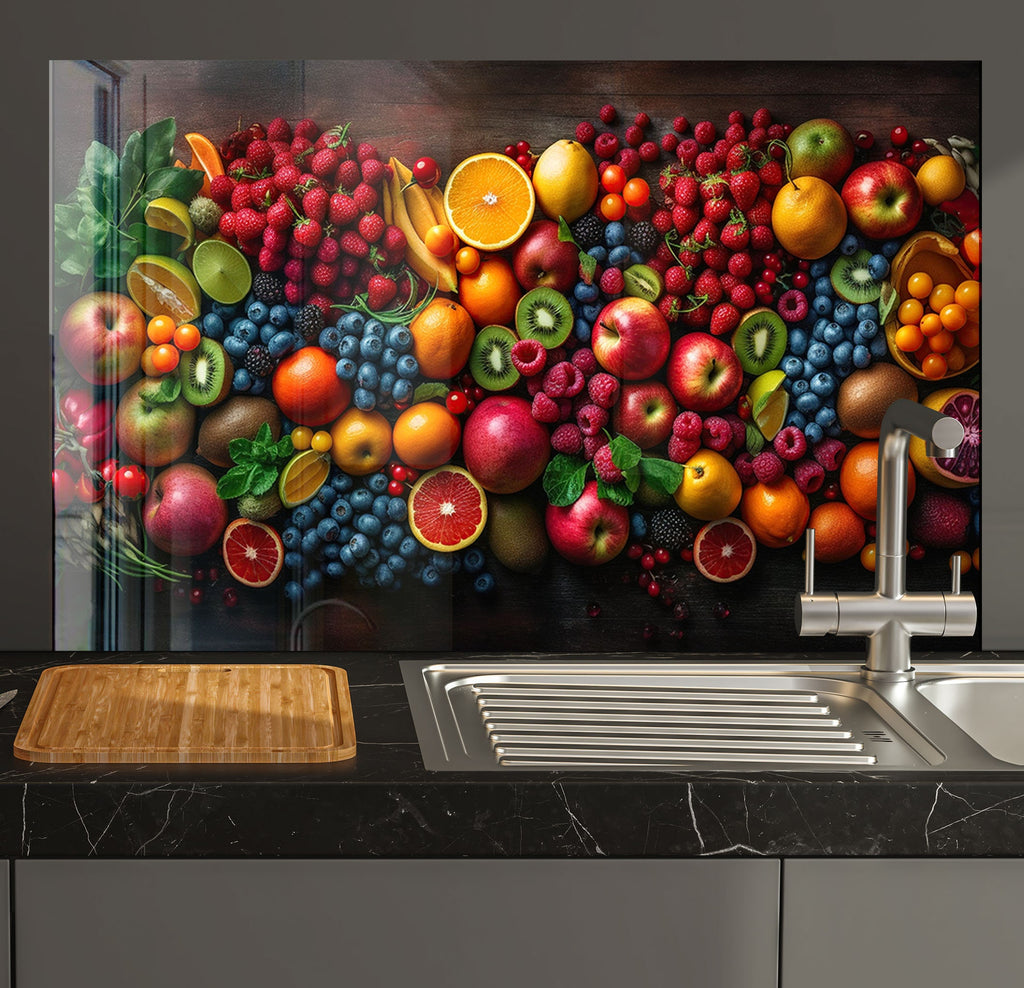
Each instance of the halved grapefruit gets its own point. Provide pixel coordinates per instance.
(724, 550)
(963, 468)
(253, 552)
(447, 509)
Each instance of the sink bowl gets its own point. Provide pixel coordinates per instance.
(990, 710)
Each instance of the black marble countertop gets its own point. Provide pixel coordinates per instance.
(383, 803)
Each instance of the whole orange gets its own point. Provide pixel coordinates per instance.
(361, 441)
(858, 479)
(711, 487)
(442, 337)
(838, 532)
(491, 292)
(426, 435)
(808, 217)
(307, 388)
(776, 513)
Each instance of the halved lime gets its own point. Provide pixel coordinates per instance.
(171, 215)
(162, 286)
(303, 475)
(769, 402)
(222, 271)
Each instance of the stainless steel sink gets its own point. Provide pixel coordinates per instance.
(617, 713)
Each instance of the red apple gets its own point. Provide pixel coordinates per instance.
(103, 335)
(183, 514)
(645, 412)
(542, 259)
(590, 531)
(704, 372)
(152, 432)
(631, 338)
(503, 445)
(822, 148)
(883, 199)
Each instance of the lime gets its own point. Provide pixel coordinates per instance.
(171, 216)
(303, 475)
(162, 286)
(769, 402)
(222, 271)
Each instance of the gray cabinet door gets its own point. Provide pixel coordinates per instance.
(884, 921)
(397, 923)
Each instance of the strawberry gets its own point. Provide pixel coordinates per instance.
(306, 129)
(270, 260)
(677, 280)
(762, 238)
(349, 266)
(308, 232)
(279, 130)
(249, 223)
(706, 233)
(365, 152)
(276, 240)
(713, 187)
(707, 287)
(287, 177)
(689, 255)
(241, 196)
(725, 317)
(372, 171)
(697, 315)
(279, 214)
(221, 187)
(365, 197)
(716, 257)
(771, 173)
(328, 250)
(324, 163)
(705, 163)
(380, 290)
(348, 175)
(341, 209)
(371, 227)
(718, 210)
(738, 158)
(760, 213)
(744, 187)
(742, 296)
(734, 133)
(735, 233)
(684, 218)
(671, 307)
(353, 244)
(260, 154)
(263, 192)
(301, 147)
(740, 264)
(315, 202)
(393, 241)
(226, 224)
(661, 220)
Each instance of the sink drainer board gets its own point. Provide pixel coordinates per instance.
(594, 716)
(216, 712)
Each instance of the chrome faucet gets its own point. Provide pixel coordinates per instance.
(890, 615)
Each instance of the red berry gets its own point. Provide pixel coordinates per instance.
(456, 402)
(585, 132)
(653, 588)
(396, 488)
(662, 555)
(607, 113)
(899, 136)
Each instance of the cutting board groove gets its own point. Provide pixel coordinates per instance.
(215, 712)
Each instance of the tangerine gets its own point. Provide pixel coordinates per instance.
(426, 435)
(838, 532)
(808, 217)
(776, 513)
(307, 388)
(442, 337)
(491, 292)
(711, 487)
(858, 478)
(971, 247)
(941, 178)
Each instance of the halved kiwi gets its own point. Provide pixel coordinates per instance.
(852, 280)
(760, 340)
(205, 373)
(490, 359)
(642, 281)
(544, 314)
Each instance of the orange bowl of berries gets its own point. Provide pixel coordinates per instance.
(933, 330)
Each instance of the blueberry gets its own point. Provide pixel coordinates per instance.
(387, 382)
(585, 292)
(430, 576)
(222, 310)
(808, 403)
(279, 316)
(391, 536)
(331, 550)
(348, 345)
(821, 305)
(814, 433)
(818, 329)
(974, 497)
(819, 355)
(409, 547)
(800, 387)
(330, 339)
(360, 545)
(380, 505)
(242, 380)
(364, 400)
(346, 369)
(291, 537)
(267, 332)
(398, 509)
(213, 326)
(833, 333)
(474, 560)
(823, 286)
(443, 561)
(823, 384)
(361, 499)
(303, 517)
(890, 249)
(377, 483)
(581, 330)
(399, 338)
(312, 580)
(341, 511)
(818, 268)
(371, 347)
(334, 570)
(293, 559)
(843, 372)
(825, 416)
(793, 367)
(281, 343)
(397, 563)
(259, 385)
(878, 347)
(352, 322)
(293, 590)
(861, 357)
(618, 257)
(867, 330)
(367, 376)
(843, 354)
(845, 313)
(599, 253)
(591, 310)
(637, 525)
(310, 540)
(614, 234)
(834, 431)
(369, 525)
(809, 370)
(235, 347)
(245, 329)
(346, 556)
(849, 245)
(798, 341)
(342, 482)
(389, 358)
(258, 312)
(796, 418)
(328, 529)
(867, 310)
(383, 575)
(374, 327)
(407, 366)
(484, 583)
(402, 391)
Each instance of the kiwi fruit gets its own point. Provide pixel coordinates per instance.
(865, 396)
(642, 281)
(490, 359)
(544, 314)
(205, 373)
(240, 417)
(852, 280)
(516, 533)
(760, 340)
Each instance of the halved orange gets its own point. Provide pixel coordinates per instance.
(489, 200)
(447, 509)
(162, 286)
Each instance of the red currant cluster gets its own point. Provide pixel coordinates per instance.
(466, 397)
(907, 151)
(523, 155)
(400, 476)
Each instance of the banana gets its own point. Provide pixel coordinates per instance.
(436, 196)
(417, 204)
(434, 270)
(387, 209)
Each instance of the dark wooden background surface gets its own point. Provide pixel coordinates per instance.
(450, 110)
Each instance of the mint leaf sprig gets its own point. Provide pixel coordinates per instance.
(258, 463)
(565, 476)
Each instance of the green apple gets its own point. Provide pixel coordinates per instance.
(821, 147)
(151, 430)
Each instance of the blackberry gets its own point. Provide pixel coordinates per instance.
(258, 361)
(268, 288)
(308, 322)
(588, 231)
(670, 529)
(643, 238)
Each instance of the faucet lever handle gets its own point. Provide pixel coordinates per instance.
(955, 562)
(809, 563)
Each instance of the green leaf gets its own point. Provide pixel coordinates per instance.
(430, 389)
(588, 266)
(158, 144)
(564, 479)
(99, 169)
(564, 232)
(65, 218)
(616, 493)
(92, 230)
(236, 481)
(178, 183)
(150, 241)
(166, 393)
(116, 257)
(755, 440)
(663, 475)
(263, 478)
(625, 453)
(887, 301)
(284, 447)
(240, 450)
(75, 265)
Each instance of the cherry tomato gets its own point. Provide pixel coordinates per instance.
(131, 482)
(165, 358)
(187, 336)
(63, 490)
(107, 470)
(613, 206)
(613, 178)
(88, 488)
(971, 247)
(456, 402)
(636, 192)
(426, 173)
(899, 136)
(160, 329)
(467, 260)
(440, 240)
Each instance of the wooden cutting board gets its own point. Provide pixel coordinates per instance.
(188, 713)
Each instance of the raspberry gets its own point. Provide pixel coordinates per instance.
(353, 244)
(241, 196)
(744, 466)
(761, 118)
(306, 129)
(605, 467)
(585, 132)
(603, 390)
(650, 152)
(687, 151)
(612, 281)
(634, 136)
(563, 380)
(680, 450)
(591, 444)
(270, 260)
(791, 444)
(528, 357)
(809, 475)
(585, 360)
(628, 159)
(279, 130)
(734, 133)
(680, 125)
(591, 419)
(221, 187)
(716, 434)
(545, 408)
(606, 144)
(739, 429)
(688, 425)
(669, 143)
(829, 453)
(768, 468)
(567, 439)
(607, 113)
(704, 132)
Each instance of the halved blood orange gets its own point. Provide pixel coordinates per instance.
(724, 550)
(253, 552)
(447, 509)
